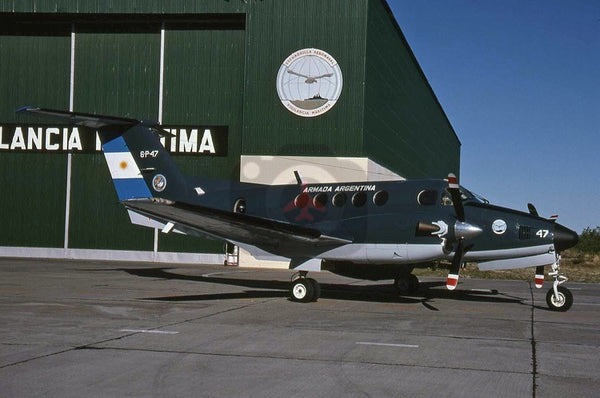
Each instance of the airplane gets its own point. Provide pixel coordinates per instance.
(365, 229)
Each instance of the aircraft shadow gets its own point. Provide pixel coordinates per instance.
(275, 288)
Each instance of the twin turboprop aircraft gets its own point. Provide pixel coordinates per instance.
(368, 230)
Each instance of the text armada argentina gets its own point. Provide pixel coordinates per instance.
(340, 188)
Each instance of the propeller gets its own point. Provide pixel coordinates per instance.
(452, 234)
(462, 230)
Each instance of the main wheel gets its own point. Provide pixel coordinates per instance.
(563, 302)
(413, 284)
(302, 290)
(406, 284)
(316, 289)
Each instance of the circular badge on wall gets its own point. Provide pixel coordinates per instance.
(309, 82)
(159, 183)
(499, 227)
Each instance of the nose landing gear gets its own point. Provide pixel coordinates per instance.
(559, 298)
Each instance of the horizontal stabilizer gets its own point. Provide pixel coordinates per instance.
(521, 262)
(81, 119)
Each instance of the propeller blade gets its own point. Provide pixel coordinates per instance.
(539, 276)
(454, 190)
(452, 279)
(532, 210)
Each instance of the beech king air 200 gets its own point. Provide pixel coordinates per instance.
(367, 230)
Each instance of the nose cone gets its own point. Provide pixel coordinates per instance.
(564, 238)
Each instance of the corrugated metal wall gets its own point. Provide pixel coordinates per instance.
(405, 127)
(276, 30)
(221, 60)
(204, 73)
(116, 72)
(124, 6)
(34, 67)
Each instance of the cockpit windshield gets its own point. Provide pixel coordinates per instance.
(466, 196)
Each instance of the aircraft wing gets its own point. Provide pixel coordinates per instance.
(272, 236)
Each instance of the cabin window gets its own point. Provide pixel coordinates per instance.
(339, 199)
(301, 200)
(240, 206)
(359, 199)
(427, 197)
(380, 198)
(447, 198)
(320, 200)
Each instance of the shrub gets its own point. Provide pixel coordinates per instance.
(589, 240)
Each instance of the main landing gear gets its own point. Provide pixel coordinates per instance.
(406, 284)
(304, 289)
(559, 298)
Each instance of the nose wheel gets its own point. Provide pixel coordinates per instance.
(559, 298)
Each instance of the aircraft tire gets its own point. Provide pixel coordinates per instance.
(316, 289)
(302, 290)
(406, 284)
(565, 299)
(413, 283)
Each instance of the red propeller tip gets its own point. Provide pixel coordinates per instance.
(451, 281)
(539, 281)
(452, 181)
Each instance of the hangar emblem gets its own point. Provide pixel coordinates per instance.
(309, 82)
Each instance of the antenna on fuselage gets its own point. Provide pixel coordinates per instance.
(298, 177)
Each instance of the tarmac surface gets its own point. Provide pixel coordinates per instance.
(102, 329)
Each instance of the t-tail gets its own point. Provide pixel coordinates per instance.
(139, 164)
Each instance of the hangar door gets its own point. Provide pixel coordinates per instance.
(34, 69)
(180, 72)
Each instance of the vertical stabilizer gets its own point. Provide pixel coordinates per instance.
(139, 165)
(126, 175)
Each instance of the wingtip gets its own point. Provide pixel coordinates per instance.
(27, 108)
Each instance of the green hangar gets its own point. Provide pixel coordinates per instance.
(251, 90)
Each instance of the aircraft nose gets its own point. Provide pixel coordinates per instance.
(564, 238)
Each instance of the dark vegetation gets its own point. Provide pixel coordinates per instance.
(589, 241)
